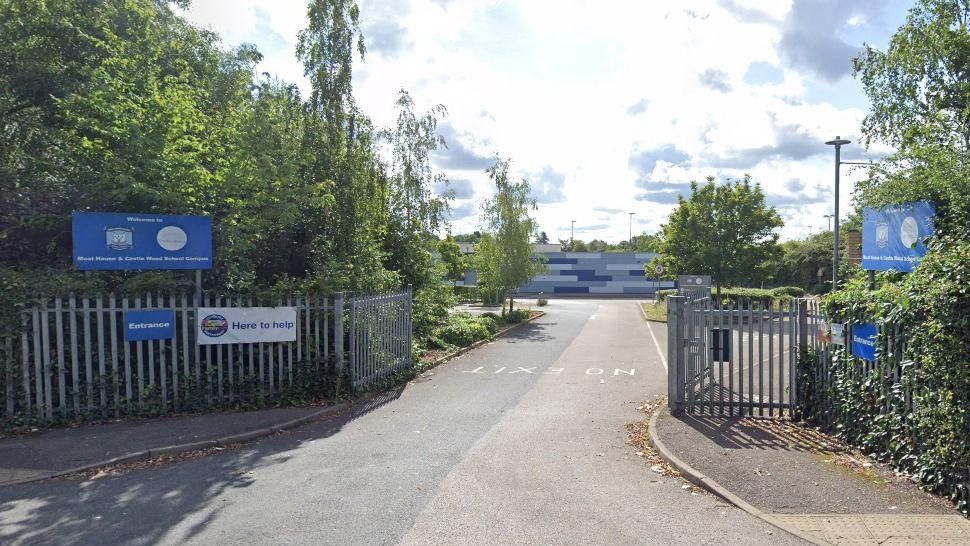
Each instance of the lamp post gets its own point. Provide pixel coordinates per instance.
(829, 218)
(631, 231)
(838, 143)
(572, 232)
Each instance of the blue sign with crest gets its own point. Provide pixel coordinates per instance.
(148, 325)
(894, 237)
(116, 241)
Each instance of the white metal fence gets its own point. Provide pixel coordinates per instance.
(71, 361)
(380, 337)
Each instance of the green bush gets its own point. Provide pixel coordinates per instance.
(793, 291)
(467, 293)
(516, 316)
(462, 329)
(662, 294)
(542, 302)
(929, 437)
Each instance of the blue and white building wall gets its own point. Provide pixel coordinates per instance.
(595, 273)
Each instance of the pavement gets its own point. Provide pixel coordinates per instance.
(806, 482)
(52, 453)
(520, 441)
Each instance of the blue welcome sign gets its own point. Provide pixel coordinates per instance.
(864, 341)
(115, 241)
(148, 325)
(894, 237)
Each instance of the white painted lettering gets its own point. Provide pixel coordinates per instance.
(594, 371)
(617, 371)
(526, 370)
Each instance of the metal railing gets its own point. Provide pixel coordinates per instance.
(70, 359)
(735, 359)
(380, 337)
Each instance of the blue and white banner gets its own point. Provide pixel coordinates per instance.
(894, 237)
(223, 325)
(116, 241)
(864, 341)
(149, 325)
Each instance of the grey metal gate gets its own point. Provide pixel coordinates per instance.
(734, 359)
(380, 337)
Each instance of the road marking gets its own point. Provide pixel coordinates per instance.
(663, 359)
(617, 371)
(500, 369)
(554, 371)
(598, 371)
(476, 370)
(526, 370)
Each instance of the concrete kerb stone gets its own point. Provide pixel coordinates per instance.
(148, 454)
(701, 480)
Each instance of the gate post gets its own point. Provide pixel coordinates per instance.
(675, 354)
(802, 322)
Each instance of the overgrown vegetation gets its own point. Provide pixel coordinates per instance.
(916, 416)
(125, 106)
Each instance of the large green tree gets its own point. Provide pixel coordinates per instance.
(504, 258)
(723, 230)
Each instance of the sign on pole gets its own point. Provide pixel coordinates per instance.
(894, 237)
(222, 325)
(117, 241)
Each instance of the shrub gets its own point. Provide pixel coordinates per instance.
(793, 291)
(542, 302)
(662, 294)
(516, 316)
(461, 329)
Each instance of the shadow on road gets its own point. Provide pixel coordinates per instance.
(530, 332)
(143, 507)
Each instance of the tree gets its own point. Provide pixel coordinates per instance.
(646, 243)
(722, 230)
(798, 262)
(543, 238)
(455, 262)
(415, 212)
(504, 258)
(920, 99)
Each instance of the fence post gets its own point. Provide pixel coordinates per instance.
(675, 354)
(802, 322)
(352, 340)
(338, 330)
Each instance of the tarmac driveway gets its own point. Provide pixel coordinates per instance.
(522, 441)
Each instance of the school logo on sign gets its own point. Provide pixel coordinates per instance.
(215, 325)
(119, 238)
(882, 234)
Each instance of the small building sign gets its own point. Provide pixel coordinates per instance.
(838, 334)
(864, 341)
(149, 325)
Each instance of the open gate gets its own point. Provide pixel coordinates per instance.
(734, 359)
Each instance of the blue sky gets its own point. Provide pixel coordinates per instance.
(609, 107)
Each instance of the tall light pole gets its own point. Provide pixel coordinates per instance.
(838, 143)
(829, 218)
(572, 232)
(631, 230)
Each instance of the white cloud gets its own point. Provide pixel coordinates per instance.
(577, 89)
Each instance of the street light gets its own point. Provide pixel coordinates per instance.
(838, 143)
(572, 232)
(829, 218)
(631, 230)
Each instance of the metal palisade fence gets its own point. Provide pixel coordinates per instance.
(738, 358)
(71, 360)
(380, 337)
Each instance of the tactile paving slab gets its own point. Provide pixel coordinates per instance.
(882, 529)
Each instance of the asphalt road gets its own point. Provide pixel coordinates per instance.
(522, 441)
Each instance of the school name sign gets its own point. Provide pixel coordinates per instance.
(894, 237)
(226, 325)
(121, 241)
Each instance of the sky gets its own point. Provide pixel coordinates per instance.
(612, 107)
